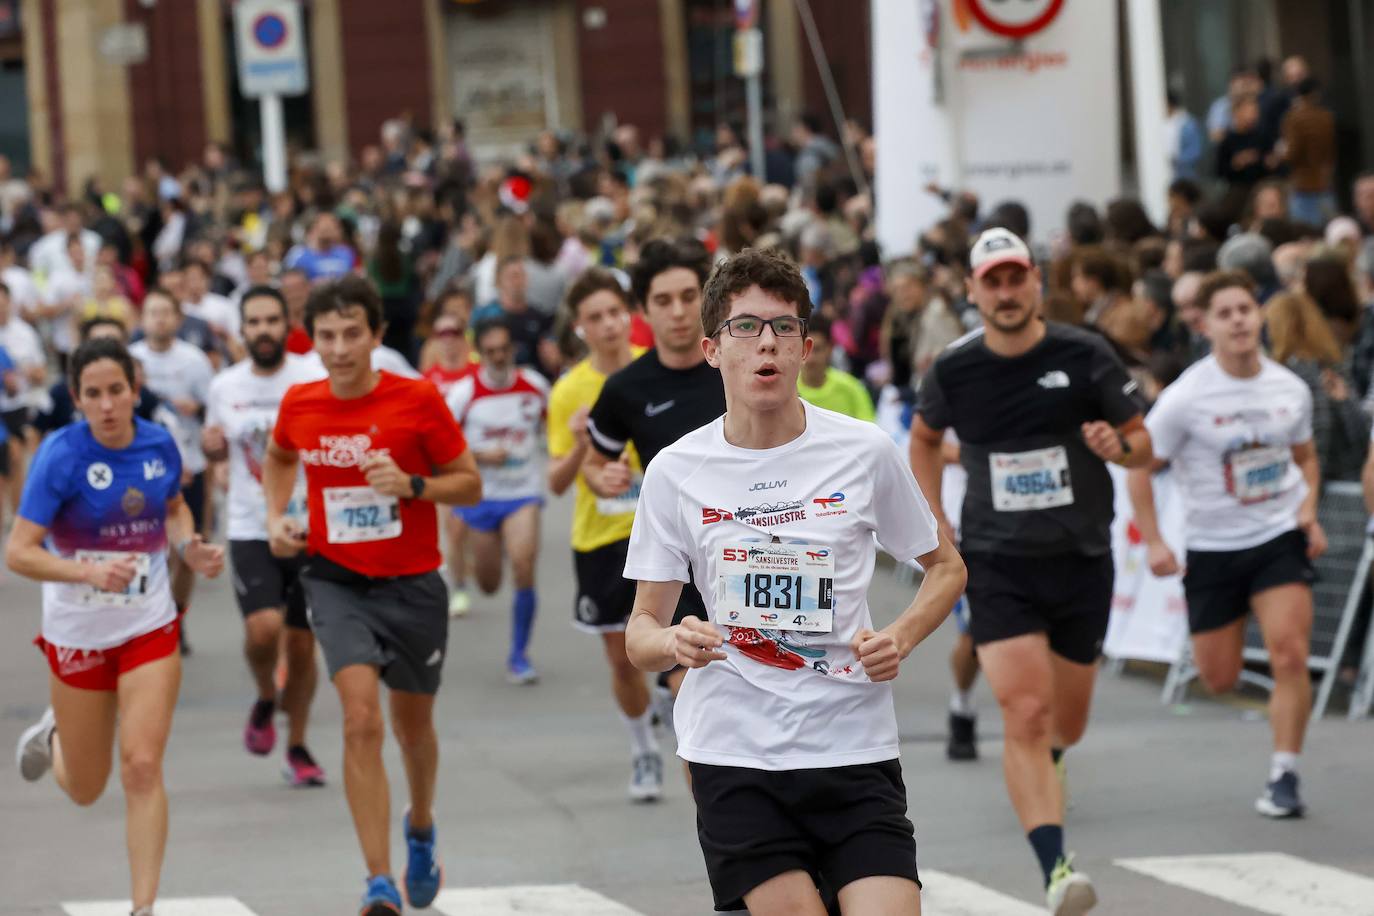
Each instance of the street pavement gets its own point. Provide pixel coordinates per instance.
(532, 793)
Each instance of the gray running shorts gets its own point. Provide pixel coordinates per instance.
(399, 626)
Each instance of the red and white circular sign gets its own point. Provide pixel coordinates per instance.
(1015, 18)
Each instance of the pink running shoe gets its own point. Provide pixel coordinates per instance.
(260, 735)
(301, 769)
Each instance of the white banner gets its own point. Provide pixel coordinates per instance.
(1034, 118)
(1149, 616)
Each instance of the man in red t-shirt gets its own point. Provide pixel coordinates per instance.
(378, 450)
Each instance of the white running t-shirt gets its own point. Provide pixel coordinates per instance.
(1231, 441)
(782, 699)
(181, 371)
(509, 418)
(244, 404)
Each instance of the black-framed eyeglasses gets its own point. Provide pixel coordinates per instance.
(752, 326)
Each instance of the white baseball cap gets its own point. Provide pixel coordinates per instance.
(998, 246)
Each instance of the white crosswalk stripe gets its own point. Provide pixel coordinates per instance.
(944, 894)
(174, 906)
(1268, 882)
(528, 900)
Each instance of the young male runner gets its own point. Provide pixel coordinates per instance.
(1038, 408)
(1238, 428)
(788, 728)
(664, 394)
(378, 451)
(501, 408)
(600, 311)
(240, 413)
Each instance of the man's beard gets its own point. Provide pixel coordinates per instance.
(270, 359)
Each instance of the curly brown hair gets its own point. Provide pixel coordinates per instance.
(768, 269)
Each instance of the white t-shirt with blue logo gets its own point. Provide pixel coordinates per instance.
(98, 504)
(804, 516)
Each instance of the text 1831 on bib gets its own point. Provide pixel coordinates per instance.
(776, 587)
(357, 514)
(1038, 479)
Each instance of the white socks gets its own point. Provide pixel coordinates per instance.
(642, 740)
(961, 703)
(1282, 762)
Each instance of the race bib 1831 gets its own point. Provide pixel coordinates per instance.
(356, 514)
(776, 587)
(1022, 481)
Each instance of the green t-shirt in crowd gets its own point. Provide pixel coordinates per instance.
(840, 392)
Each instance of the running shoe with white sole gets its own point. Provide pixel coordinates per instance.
(646, 778)
(459, 603)
(1280, 798)
(381, 897)
(301, 770)
(259, 734)
(34, 751)
(1070, 893)
(424, 876)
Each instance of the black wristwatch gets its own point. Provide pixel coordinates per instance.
(1125, 446)
(417, 486)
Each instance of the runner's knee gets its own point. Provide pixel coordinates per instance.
(362, 724)
(1027, 717)
(140, 771)
(1288, 657)
(1219, 677)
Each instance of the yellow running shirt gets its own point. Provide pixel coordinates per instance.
(596, 522)
(840, 392)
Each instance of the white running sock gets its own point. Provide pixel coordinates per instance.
(642, 740)
(1282, 762)
(961, 703)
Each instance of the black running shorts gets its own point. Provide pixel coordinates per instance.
(263, 582)
(839, 824)
(604, 596)
(398, 625)
(1218, 584)
(1068, 597)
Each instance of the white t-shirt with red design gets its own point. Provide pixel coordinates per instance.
(1231, 440)
(244, 404)
(783, 698)
(509, 419)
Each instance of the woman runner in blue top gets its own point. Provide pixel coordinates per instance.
(101, 508)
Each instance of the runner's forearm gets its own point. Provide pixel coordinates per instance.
(27, 556)
(278, 480)
(945, 578)
(648, 642)
(1141, 454)
(457, 483)
(563, 471)
(1142, 493)
(928, 466)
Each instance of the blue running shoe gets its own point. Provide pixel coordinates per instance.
(381, 897)
(519, 671)
(1280, 798)
(424, 876)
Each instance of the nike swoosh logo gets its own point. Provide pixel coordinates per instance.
(653, 410)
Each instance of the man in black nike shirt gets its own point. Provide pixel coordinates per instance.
(664, 394)
(1039, 408)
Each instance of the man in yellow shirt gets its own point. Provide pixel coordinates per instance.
(599, 309)
(824, 385)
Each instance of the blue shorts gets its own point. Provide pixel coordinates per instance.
(490, 513)
(960, 615)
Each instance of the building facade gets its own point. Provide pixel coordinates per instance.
(96, 87)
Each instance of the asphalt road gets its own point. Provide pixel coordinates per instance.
(532, 793)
